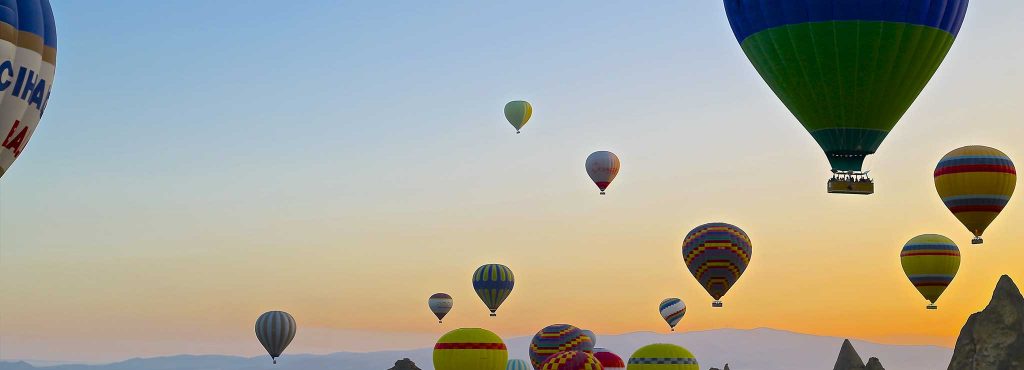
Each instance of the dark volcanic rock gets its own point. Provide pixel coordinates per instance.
(993, 339)
(404, 364)
(850, 360)
(874, 364)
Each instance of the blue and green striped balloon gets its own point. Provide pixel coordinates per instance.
(493, 283)
(847, 69)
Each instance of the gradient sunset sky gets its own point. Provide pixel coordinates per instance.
(201, 162)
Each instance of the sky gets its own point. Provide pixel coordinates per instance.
(201, 162)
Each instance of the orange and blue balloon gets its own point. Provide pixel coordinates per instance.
(975, 182)
(717, 254)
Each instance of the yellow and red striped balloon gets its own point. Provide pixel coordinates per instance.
(470, 349)
(975, 182)
(930, 262)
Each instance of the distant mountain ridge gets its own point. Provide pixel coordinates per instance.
(760, 349)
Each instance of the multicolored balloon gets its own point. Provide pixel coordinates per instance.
(672, 310)
(848, 70)
(493, 283)
(609, 360)
(602, 166)
(975, 182)
(557, 338)
(470, 348)
(517, 113)
(591, 335)
(572, 360)
(662, 357)
(717, 254)
(275, 330)
(440, 304)
(28, 60)
(518, 365)
(931, 262)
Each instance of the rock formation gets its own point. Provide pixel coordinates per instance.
(993, 339)
(404, 364)
(850, 360)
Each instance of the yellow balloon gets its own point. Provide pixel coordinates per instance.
(517, 113)
(930, 262)
(662, 357)
(470, 349)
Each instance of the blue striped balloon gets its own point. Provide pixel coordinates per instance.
(518, 365)
(493, 283)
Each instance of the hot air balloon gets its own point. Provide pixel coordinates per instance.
(672, 310)
(572, 360)
(975, 182)
(518, 365)
(557, 338)
(518, 112)
(602, 167)
(848, 70)
(493, 283)
(275, 330)
(717, 254)
(440, 304)
(662, 357)
(931, 262)
(609, 360)
(28, 58)
(470, 349)
(591, 335)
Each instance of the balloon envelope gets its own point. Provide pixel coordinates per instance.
(572, 360)
(557, 338)
(591, 335)
(662, 357)
(518, 365)
(672, 310)
(975, 183)
(493, 284)
(470, 349)
(848, 70)
(517, 113)
(609, 360)
(930, 262)
(275, 330)
(717, 254)
(440, 304)
(602, 166)
(28, 59)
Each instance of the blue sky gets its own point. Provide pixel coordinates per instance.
(203, 161)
